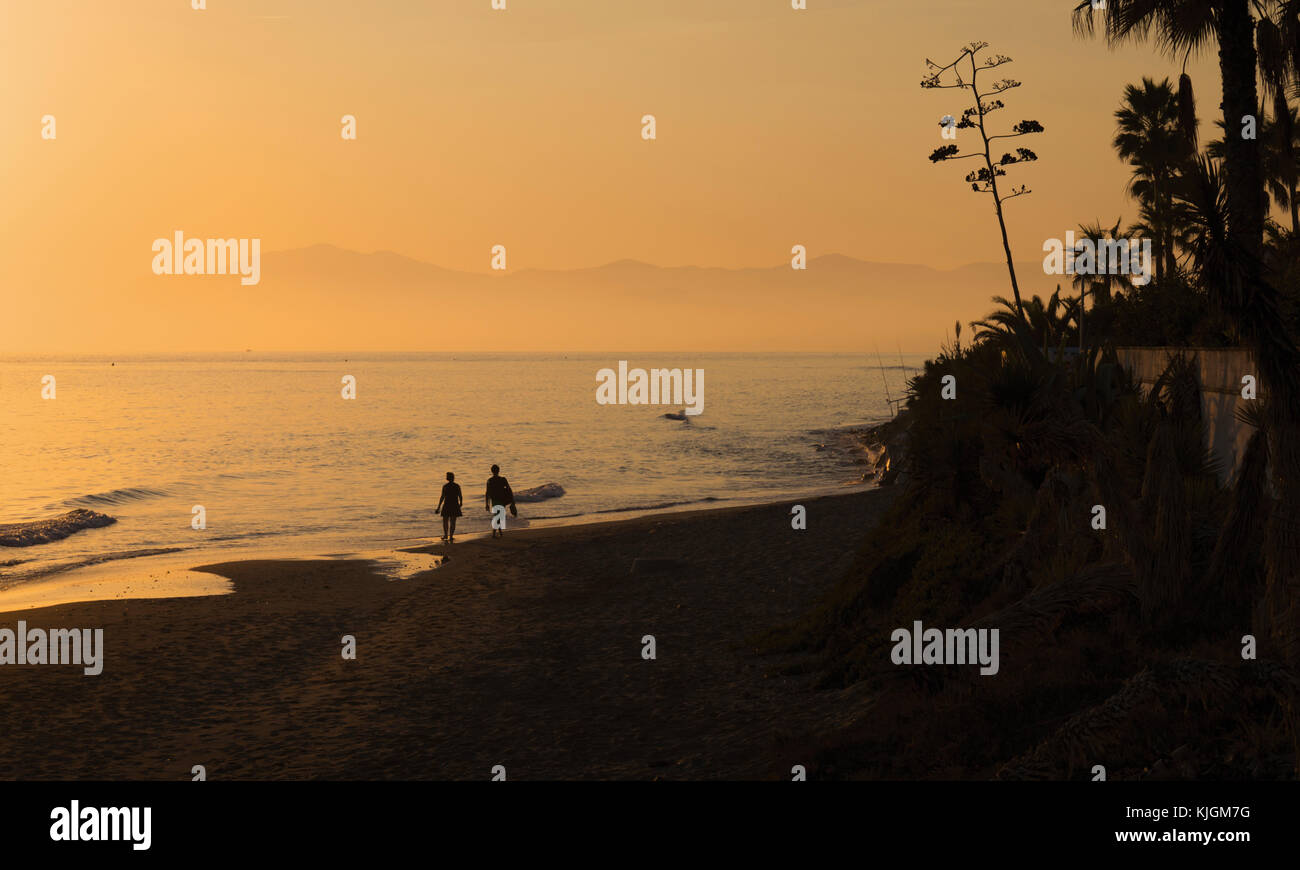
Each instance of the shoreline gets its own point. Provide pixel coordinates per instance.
(525, 651)
(173, 572)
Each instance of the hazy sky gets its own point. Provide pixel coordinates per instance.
(479, 127)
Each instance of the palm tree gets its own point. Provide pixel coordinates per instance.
(1239, 283)
(1103, 283)
(1277, 40)
(1173, 221)
(1280, 161)
(1179, 27)
(1043, 323)
(1231, 267)
(1203, 197)
(1150, 139)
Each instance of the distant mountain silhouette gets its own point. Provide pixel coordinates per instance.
(334, 297)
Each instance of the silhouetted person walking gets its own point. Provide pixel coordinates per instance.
(498, 493)
(449, 506)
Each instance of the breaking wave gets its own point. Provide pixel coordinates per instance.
(53, 529)
(540, 493)
(112, 497)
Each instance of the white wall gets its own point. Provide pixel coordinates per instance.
(1221, 371)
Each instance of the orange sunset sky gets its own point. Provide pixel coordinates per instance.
(479, 127)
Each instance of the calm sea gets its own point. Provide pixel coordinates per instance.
(270, 449)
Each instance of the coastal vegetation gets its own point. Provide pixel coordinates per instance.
(1164, 641)
(963, 74)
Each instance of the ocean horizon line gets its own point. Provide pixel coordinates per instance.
(199, 355)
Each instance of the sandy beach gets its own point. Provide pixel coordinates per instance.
(524, 652)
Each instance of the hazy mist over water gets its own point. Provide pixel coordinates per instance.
(273, 452)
